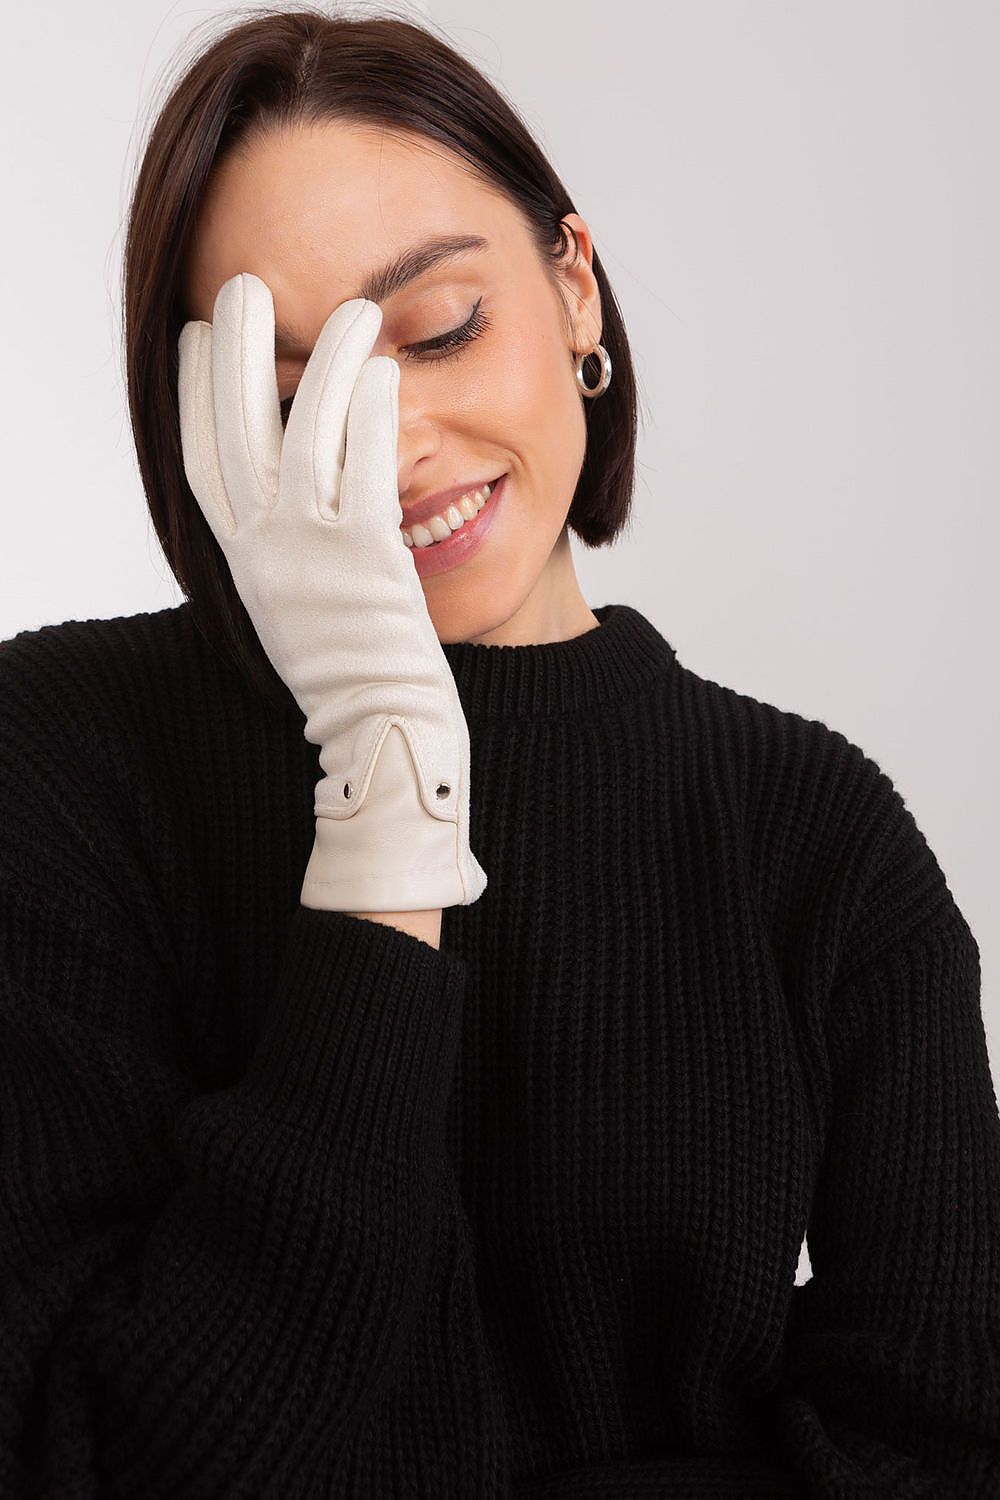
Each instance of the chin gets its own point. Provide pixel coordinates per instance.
(463, 620)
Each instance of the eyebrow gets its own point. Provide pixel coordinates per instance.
(389, 279)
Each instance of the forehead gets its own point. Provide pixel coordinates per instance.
(324, 204)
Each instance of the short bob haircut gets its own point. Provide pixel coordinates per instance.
(286, 67)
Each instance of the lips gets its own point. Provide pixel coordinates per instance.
(438, 503)
(463, 544)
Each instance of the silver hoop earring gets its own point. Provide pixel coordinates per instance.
(605, 380)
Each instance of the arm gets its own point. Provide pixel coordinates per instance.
(206, 1289)
(893, 1368)
(891, 1378)
(211, 1291)
(425, 925)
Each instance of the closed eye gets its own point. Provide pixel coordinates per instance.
(443, 346)
(476, 324)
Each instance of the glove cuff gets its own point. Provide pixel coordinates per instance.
(390, 854)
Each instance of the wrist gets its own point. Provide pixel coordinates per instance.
(425, 925)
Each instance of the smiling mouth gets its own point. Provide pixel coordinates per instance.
(422, 536)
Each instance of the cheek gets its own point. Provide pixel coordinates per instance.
(535, 409)
(522, 380)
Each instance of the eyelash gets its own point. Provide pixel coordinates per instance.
(445, 346)
(452, 341)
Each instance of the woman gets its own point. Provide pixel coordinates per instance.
(433, 1015)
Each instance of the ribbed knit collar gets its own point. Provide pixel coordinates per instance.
(607, 664)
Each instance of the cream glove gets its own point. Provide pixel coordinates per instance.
(308, 518)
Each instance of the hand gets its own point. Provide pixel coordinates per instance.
(308, 519)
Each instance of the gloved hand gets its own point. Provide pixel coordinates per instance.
(308, 518)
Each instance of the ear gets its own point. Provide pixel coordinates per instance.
(581, 293)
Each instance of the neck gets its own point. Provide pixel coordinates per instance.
(555, 610)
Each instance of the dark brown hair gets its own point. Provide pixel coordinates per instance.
(277, 69)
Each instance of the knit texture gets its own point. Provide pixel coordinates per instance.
(296, 1205)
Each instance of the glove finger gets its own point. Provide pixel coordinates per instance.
(369, 488)
(245, 390)
(197, 423)
(312, 458)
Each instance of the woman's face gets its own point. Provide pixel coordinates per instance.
(314, 212)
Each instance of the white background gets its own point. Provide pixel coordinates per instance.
(797, 206)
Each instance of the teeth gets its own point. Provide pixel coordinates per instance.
(439, 528)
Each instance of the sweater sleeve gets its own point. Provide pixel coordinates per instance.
(892, 1379)
(214, 1291)
(891, 1374)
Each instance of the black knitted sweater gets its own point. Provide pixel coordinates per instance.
(296, 1205)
